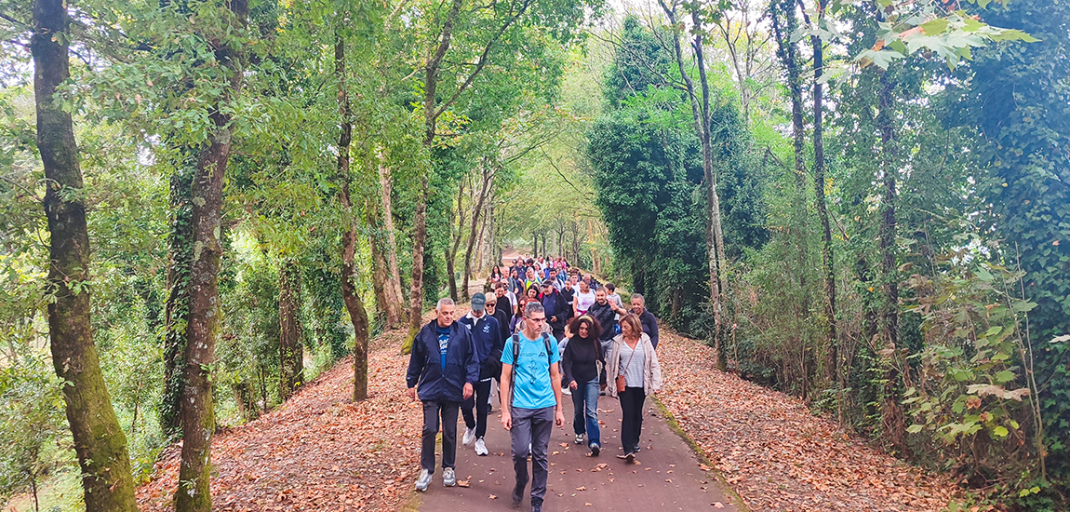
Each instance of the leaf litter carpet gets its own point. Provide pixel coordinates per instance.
(774, 452)
(318, 451)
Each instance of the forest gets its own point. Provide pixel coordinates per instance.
(204, 205)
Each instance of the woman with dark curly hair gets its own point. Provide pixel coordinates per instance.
(583, 352)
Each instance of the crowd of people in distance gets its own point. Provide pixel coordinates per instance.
(542, 331)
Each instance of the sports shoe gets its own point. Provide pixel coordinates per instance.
(566, 391)
(469, 436)
(579, 438)
(595, 448)
(630, 457)
(536, 505)
(423, 481)
(518, 496)
(481, 447)
(449, 479)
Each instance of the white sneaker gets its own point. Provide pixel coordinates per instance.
(469, 436)
(566, 391)
(449, 479)
(579, 438)
(423, 481)
(481, 447)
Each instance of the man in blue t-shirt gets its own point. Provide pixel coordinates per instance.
(531, 401)
(445, 365)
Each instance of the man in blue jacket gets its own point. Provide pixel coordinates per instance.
(444, 364)
(487, 335)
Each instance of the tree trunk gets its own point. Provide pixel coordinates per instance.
(358, 315)
(99, 441)
(381, 285)
(386, 183)
(176, 310)
(487, 181)
(832, 360)
(700, 113)
(197, 412)
(291, 355)
(893, 421)
(455, 245)
(387, 302)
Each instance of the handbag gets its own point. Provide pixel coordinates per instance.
(622, 383)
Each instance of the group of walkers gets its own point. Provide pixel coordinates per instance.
(551, 333)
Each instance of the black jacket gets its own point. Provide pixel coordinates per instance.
(580, 361)
(650, 326)
(503, 319)
(425, 365)
(606, 319)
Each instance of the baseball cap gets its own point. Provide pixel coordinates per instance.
(479, 302)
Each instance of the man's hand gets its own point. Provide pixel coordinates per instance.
(553, 319)
(467, 390)
(507, 420)
(559, 418)
(572, 385)
(412, 394)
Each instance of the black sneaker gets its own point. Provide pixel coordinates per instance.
(595, 448)
(536, 505)
(630, 457)
(518, 496)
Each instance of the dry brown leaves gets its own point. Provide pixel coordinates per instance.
(319, 450)
(777, 455)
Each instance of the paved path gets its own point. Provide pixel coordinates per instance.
(667, 476)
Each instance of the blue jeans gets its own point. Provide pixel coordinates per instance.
(585, 405)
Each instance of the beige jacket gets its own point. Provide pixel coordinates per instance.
(651, 368)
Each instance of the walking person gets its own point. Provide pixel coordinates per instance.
(634, 366)
(503, 318)
(531, 402)
(646, 318)
(580, 361)
(583, 299)
(443, 369)
(602, 311)
(555, 308)
(487, 338)
(499, 307)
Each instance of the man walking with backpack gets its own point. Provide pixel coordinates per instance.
(444, 363)
(531, 401)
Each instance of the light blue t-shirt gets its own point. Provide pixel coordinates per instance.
(532, 388)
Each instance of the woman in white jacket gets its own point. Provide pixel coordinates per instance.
(634, 366)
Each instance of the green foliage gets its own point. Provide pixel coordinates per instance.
(973, 387)
(32, 425)
(1018, 100)
(647, 169)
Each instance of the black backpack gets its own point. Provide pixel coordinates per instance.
(516, 356)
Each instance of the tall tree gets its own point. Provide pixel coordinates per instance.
(99, 441)
(358, 315)
(198, 408)
(820, 185)
(700, 113)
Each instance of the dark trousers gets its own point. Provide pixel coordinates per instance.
(448, 411)
(480, 399)
(631, 407)
(531, 427)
